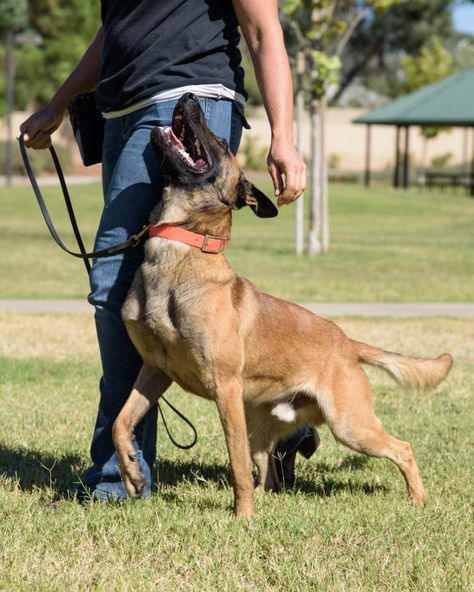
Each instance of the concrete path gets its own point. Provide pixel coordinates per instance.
(51, 180)
(333, 309)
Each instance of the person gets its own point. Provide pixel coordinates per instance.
(144, 57)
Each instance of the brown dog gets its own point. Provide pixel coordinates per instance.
(268, 364)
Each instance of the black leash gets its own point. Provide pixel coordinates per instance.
(185, 419)
(132, 241)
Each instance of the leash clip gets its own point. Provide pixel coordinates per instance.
(136, 238)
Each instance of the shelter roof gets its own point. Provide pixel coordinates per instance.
(449, 102)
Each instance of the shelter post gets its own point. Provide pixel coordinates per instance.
(406, 159)
(396, 171)
(471, 179)
(368, 147)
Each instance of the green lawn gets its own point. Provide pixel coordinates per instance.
(386, 246)
(347, 526)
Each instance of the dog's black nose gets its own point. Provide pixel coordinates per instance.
(189, 97)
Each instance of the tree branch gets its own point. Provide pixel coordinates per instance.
(350, 31)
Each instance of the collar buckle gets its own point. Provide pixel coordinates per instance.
(216, 250)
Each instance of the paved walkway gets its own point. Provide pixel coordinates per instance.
(333, 309)
(21, 180)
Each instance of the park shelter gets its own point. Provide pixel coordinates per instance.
(447, 103)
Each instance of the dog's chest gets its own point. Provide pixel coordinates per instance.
(165, 321)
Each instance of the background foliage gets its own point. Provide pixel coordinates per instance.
(372, 56)
(67, 28)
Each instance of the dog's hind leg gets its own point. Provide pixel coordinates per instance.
(352, 420)
(148, 388)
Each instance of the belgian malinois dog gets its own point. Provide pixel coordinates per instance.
(269, 365)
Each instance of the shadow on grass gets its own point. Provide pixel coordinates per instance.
(172, 473)
(334, 478)
(36, 470)
(330, 482)
(328, 486)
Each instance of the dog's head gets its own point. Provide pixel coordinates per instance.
(191, 156)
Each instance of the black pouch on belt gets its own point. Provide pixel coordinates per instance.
(88, 127)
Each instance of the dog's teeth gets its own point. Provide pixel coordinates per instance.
(197, 143)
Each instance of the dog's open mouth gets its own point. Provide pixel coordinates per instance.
(181, 139)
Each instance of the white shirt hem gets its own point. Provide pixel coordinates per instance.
(209, 91)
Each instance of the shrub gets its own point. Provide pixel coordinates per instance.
(441, 161)
(40, 160)
(255, 155)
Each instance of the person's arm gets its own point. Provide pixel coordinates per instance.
(259, 22)
(37, 129)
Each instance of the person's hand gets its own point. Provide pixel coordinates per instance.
(287, 170)
(37, 129)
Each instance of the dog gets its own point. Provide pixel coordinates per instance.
(269, 365)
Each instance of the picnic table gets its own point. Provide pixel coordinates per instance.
(443, 179)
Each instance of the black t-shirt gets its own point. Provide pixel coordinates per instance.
(155, 45)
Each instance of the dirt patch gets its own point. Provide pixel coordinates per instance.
(416, 337)
(57, 337)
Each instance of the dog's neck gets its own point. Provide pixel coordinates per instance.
(186, 209)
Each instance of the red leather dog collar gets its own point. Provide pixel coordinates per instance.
(206, 242)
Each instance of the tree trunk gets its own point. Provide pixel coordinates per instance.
(314, 244)
(324, 179)
(299, 207)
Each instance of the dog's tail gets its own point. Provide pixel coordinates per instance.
(415, 373)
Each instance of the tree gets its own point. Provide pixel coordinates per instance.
(13, 16)
(67, 28)
(321, 31)
(433, 63)
(387, 33)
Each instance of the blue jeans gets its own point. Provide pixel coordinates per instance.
(131, 186)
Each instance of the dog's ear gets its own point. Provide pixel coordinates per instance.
(249, 195)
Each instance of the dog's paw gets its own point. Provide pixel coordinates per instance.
(418, 499)
(134, 481)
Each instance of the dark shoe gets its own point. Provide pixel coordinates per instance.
(309, 444)
(305, 441)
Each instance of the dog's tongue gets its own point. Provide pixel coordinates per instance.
(173, 139)
(176, 143)
(200, 164)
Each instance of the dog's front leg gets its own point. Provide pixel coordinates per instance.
(148, 388)
(229, 399)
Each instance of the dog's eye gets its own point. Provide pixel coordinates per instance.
(223, 143)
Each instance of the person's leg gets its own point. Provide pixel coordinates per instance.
(131, 189)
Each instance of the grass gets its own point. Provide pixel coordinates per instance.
(346, 526)
(386, 246)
